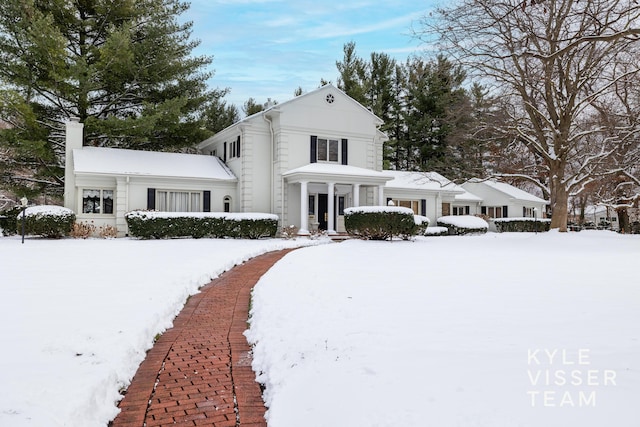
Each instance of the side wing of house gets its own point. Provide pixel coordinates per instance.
(426, 193)
(501, 200)
(103, 184)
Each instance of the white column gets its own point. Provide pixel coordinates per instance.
(331, 228)
(381, 195)
(304, 209)
(356, 195)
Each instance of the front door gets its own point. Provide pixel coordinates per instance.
(323, 206)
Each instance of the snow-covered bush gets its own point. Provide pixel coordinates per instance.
(380, 222)
(436, 231)
(463, 224)
(422, 222)
(522, 224)
(163, 225)
(47, 221)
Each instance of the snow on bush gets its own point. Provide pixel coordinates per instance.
(463, 224)
(380, 222)
(526, 219)
(48, 221)
(522, 224)
(371, 209)
(162, 225)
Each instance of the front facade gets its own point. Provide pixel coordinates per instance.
(305, 160)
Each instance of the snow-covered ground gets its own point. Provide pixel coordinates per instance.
(499, 330)
(76, 317)
(442, 331)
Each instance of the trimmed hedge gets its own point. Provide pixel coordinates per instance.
(463, 224)
(52, 222)
(165, 225)
(522, 225)
(380, 222)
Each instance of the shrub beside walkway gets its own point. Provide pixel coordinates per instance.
(199, 372)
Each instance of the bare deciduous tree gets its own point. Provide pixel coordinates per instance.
(557, 63)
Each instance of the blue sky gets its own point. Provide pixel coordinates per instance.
(267, 48)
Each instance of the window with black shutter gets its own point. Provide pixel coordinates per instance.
(206, 201)
(313, 155)
(344, 151)
(151, 198)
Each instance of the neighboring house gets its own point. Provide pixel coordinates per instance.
(427, 193)
(601, 217)
(501, 200)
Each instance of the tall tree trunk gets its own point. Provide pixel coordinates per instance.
(624, 225)
(559, 198)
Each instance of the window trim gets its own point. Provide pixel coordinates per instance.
(414, 204)
(101, 190)
(200, 194)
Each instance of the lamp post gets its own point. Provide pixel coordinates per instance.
(23, 202)
(535, 220)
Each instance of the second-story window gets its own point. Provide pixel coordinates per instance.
(328, 150)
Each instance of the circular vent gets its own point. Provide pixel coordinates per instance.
(330, 99)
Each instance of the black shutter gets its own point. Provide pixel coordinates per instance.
(238, 147)
(505, 212)
(466, 210)
(344, 152)
(151, 198)
(483, 210)
(314, 149)
(224, 152)
(206, 201)
(423, 207)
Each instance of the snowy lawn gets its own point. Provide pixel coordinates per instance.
(76, 317)
(498, 330)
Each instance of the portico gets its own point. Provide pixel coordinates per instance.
(325, 190)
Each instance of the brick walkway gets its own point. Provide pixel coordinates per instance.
(199, 372)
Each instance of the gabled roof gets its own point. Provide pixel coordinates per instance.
(425, 181)
(275, 108)
(509, 190)
(115, 161)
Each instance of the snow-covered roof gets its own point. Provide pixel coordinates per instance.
(277, 107)
(510, 190)
(115, 161)
(326, 170)
(431, 181)
(467, 197)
